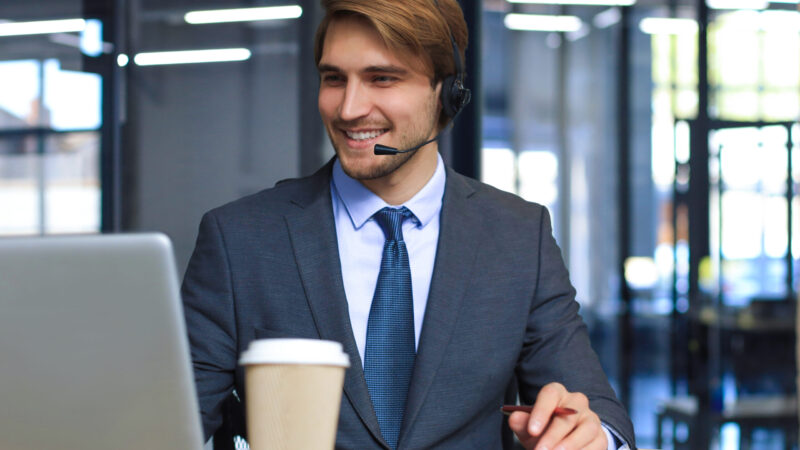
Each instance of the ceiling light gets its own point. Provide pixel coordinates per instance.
(737, 4)
(244, 14)
(537, 22)
(578, 2)
(42, 27)
(191, 56)
(660, 25)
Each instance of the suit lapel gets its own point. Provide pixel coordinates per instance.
(313, 234)
(460, 223)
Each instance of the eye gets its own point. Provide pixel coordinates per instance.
(383, 79)
(332, 79)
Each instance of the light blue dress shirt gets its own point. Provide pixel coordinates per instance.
(361, 240)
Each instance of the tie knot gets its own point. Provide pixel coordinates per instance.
(391, 221)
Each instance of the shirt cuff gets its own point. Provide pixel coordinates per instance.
(614, 441)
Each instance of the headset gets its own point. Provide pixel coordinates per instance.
(454, 96)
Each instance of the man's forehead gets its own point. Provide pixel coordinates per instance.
(348, 25)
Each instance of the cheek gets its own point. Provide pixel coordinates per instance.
(327, 103)
(401, 108)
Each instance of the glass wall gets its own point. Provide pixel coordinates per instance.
(200, 134)
(50, 120)
(555, 130)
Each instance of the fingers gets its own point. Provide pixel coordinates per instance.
(542, 429)
(518, 422)
(549, 397)
(580, 431)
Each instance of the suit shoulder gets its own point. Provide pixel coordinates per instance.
(277, 199)
(501, 203)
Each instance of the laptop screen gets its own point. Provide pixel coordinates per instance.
(93, 345)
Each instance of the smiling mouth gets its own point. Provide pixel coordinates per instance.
(364, 135)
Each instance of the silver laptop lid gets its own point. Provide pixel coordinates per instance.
(93, 349)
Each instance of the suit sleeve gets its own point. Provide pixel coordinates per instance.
(209, 311)
(556, 347)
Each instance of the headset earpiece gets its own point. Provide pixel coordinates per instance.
(454, 96)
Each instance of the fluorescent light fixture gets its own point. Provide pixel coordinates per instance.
(737, 4)
(191, 56)
(42, 27)
(607, 18)
(539, 22)
(122, 60)
(660, 25)
(578, 2)
(244, 14)
(784, 1)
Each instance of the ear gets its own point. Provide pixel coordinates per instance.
(437, 91)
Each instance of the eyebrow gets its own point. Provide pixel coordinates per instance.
(368, 69)
(386, 69)
(328, 68)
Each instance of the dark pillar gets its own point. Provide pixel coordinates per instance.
(110, 13)
(624, 206)
(466, 136)
(312, 134)
(701, 378)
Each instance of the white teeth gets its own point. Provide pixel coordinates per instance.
(363, 134)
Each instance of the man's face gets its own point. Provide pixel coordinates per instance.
(369, 94)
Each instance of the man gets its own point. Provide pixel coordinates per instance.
(441, 289)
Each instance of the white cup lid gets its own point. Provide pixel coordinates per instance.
(295, 351)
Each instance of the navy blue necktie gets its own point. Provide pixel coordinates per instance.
(389, 354)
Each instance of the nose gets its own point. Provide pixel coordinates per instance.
(356, 102)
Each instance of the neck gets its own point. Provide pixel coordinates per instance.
(401, 185)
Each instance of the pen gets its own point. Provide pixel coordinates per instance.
(559, 411)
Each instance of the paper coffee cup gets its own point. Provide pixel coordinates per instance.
(294, 390)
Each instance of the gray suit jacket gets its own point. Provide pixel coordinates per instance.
(500, 305)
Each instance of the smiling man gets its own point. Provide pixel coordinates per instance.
(443, 291)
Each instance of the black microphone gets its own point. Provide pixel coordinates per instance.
(381, 149)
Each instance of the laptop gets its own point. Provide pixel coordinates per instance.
(93, 348)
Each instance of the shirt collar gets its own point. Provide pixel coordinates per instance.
(361, 203)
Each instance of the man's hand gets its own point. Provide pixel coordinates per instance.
(543, 430)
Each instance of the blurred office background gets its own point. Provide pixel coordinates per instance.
(662, 134)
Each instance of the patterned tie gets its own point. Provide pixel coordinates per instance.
(389, 354)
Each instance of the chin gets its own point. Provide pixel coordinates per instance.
(371, 166)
